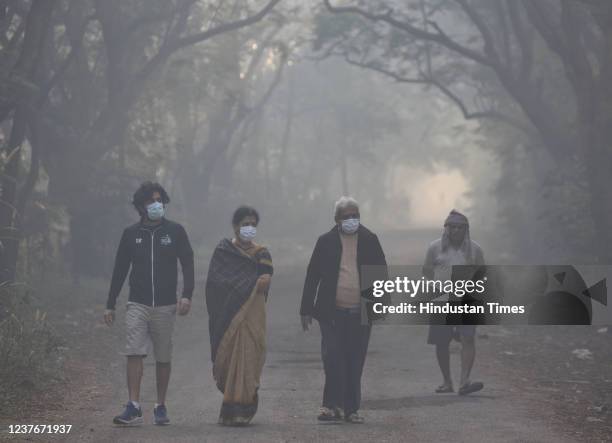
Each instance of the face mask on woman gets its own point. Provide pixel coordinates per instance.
(247, 233)
(155, 211)
(350, 226)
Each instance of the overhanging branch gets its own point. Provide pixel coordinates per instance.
(439, 37)
(424, 79)
(170, 48)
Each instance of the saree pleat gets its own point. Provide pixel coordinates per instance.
(240, 360)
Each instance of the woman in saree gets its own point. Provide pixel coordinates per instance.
(236, 290)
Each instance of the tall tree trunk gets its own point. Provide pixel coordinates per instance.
(8, 209)
(286, 137)
(344, 170)
(37, 25)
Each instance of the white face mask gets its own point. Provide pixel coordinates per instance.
(155, 211)
(350, 226)
(247, 233)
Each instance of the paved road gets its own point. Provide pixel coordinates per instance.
(398, 402)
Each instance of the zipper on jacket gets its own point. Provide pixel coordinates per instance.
(152, 269)
(152, 232)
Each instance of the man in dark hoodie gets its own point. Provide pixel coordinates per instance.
(454, 248)
(151, 248)
(333, 295)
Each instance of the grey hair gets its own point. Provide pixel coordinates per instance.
(343, 203)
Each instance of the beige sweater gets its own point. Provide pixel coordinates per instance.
(348, 291)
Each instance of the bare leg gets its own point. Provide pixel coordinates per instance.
(443, 355)
(162, 372)
(468, 354)
(134, 376)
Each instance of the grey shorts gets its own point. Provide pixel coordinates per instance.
(146, 325)
(443, 334)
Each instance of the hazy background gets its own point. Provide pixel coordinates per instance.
(501, 109)
(498, 109)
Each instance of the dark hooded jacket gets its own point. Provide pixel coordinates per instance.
(152, 252)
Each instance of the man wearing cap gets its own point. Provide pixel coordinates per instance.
(454, 248)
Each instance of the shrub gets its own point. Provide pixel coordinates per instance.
(29, 348)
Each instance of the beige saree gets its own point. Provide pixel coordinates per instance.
(238, 328)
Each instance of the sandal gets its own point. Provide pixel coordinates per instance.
(470, 387)
(444, 389)
(339, 414)
(327, 414)
(355, 418)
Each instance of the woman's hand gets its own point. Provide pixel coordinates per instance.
(306, 322)
(263, 283)
(183, 306)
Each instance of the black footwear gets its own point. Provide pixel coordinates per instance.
(471, 387)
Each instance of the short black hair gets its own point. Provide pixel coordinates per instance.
(242, 212)
(145, 192)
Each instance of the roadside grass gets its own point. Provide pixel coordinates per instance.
(30, 350)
